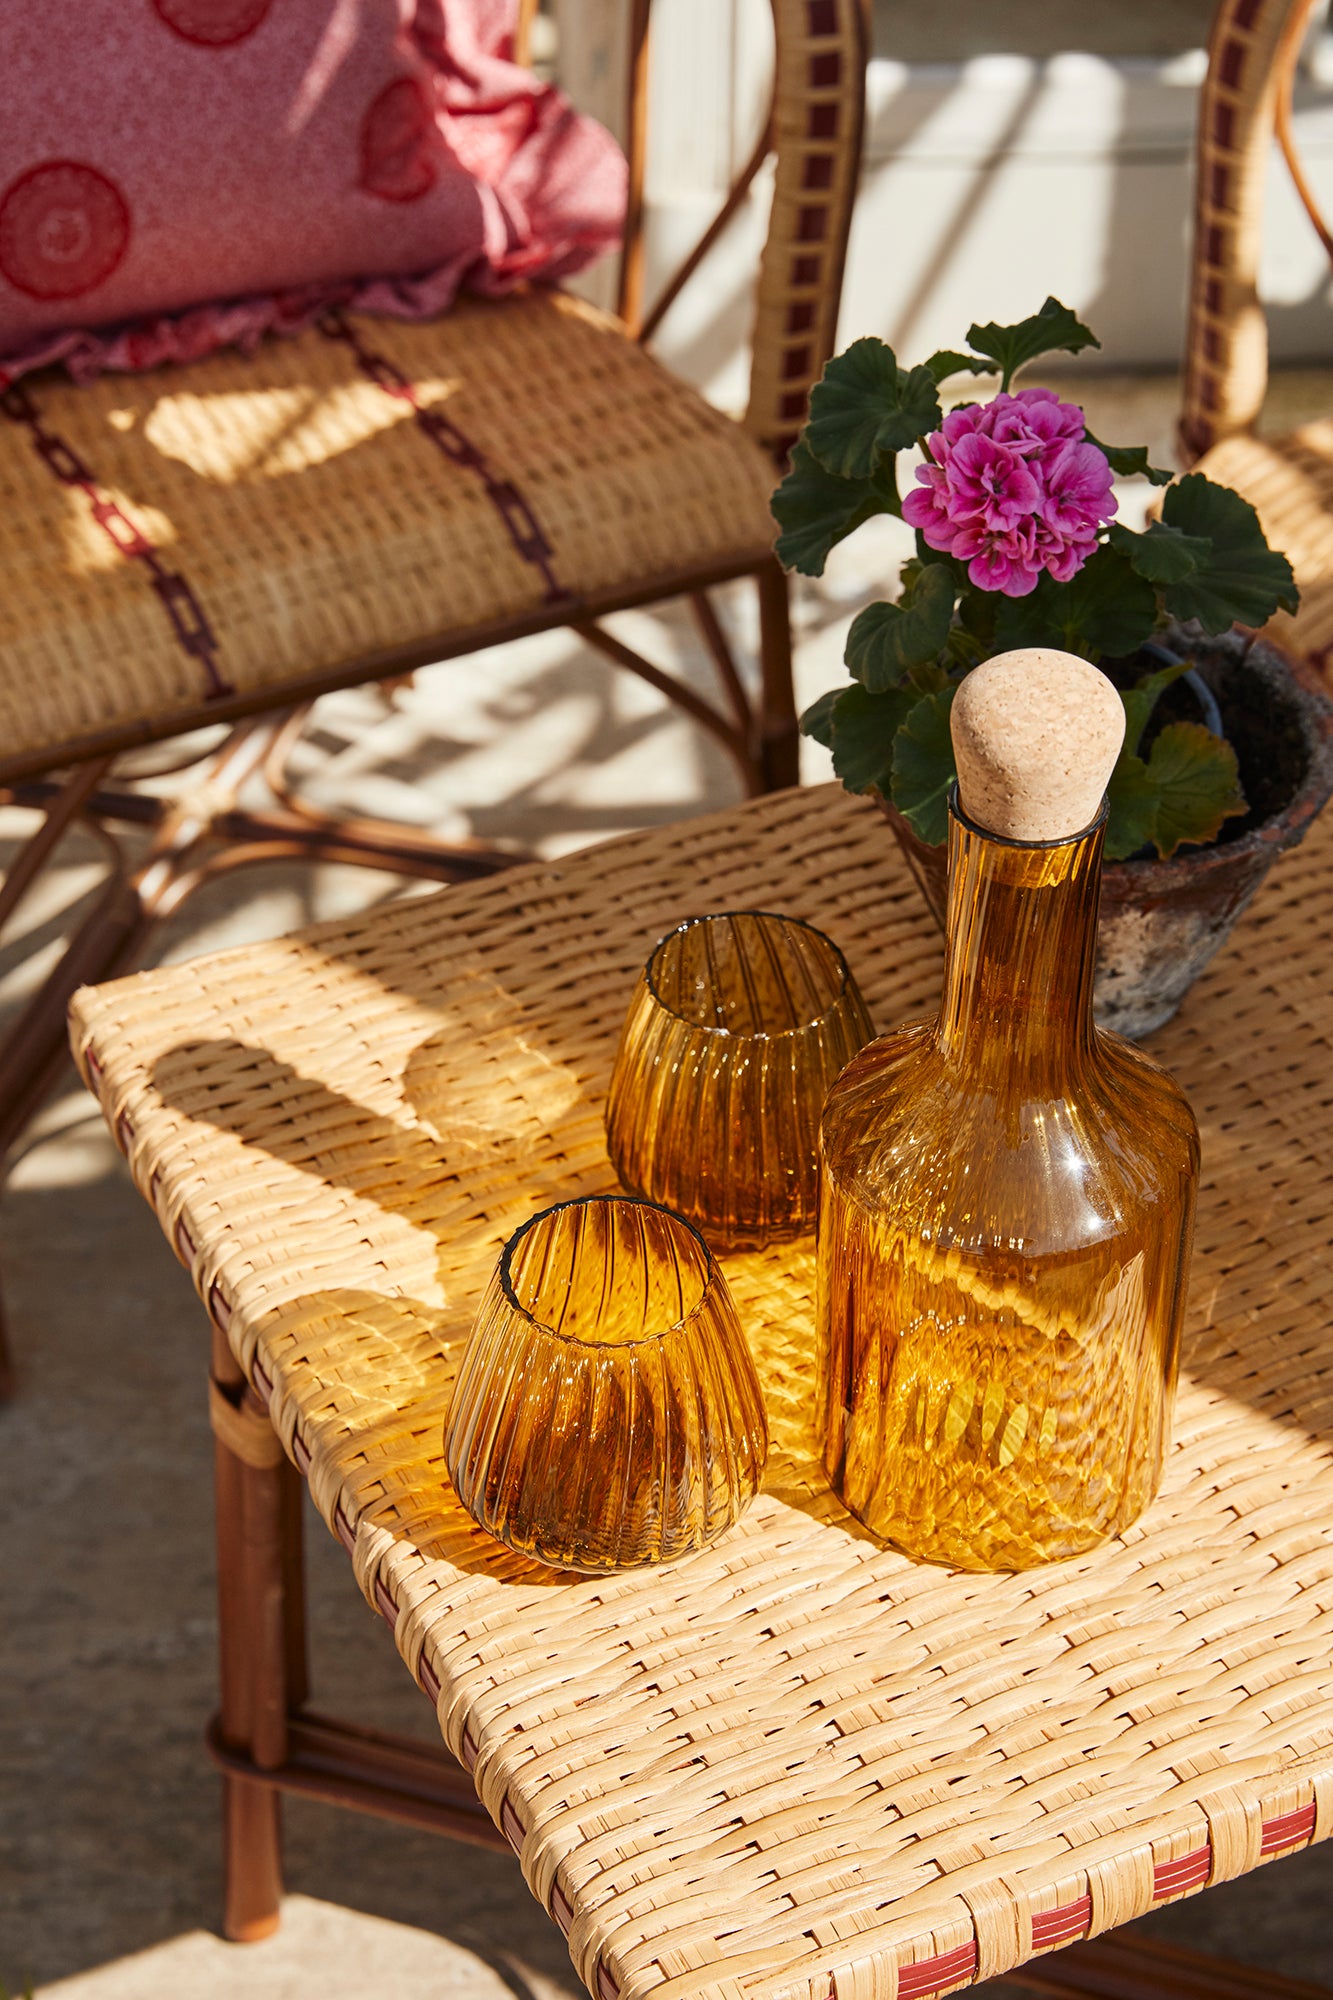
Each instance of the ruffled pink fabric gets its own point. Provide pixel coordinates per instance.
(191, 174)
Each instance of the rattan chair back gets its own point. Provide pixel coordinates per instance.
(813, 131)
(1244, 104)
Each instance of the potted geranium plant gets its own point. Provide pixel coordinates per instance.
(1227, 751)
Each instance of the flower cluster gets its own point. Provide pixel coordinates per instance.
(1012, 488)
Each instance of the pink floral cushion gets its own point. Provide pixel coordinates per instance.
(158, 157)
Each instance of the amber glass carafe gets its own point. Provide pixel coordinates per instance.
(1007, 1205)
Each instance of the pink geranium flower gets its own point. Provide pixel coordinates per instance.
(1011, 488)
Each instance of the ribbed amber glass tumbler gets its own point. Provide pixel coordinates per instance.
(738, 1027)
(607, 1412)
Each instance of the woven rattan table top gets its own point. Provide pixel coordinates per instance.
(795, 1766)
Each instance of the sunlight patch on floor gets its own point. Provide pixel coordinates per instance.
(320, 1950)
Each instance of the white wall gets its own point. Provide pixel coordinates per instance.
(991, 183)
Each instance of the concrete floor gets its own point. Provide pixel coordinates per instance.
(108, 1809)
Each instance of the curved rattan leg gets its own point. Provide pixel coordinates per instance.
(261, 1641)
(252, 1859)
(779, 736)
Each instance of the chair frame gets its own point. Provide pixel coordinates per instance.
(814, 127)
(1226, 343)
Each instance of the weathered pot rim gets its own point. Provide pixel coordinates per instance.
(1286, 828)
(1148, 878)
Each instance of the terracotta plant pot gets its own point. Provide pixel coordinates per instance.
(1162, 921)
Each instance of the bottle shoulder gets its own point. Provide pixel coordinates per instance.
(905, 1129)
(1143, 1088)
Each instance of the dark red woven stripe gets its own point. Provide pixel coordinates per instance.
(932, 1975)
(1050, 1928)
(1287, 1830)
(1070, 1920)
(515, 510)
(186, 615)
(511, 1826)
(1190, 1871)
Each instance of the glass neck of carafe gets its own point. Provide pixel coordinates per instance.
(1020, 951)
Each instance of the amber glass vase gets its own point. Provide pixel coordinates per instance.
(738, 1026)
(607, 1412)
(1008, 1200)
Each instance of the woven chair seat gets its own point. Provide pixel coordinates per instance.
(198, 539)
(1289, 480)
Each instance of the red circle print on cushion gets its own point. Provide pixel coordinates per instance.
(397, 157)
(180, 175)
(64, 228)
(213, 24)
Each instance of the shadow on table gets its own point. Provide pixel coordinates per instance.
(377, 1369)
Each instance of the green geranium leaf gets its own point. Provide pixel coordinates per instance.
(931, 677)
(1053, 330)
(1181, 794)
(923, 766)
(864, 728)
(1197, 782)
(1140, 701)
(926, 580)
(1105, 608)
(886, 640)
(1243, 580)
(815, 510)
(946, 362)
(817, 721)
(865, 406)
(1027, 621)
(1107, 605)
(962, 649)
(1161, 554)
(977, 612)
(1129, 459)
(1132, 798)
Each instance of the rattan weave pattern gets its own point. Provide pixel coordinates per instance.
(794, 1766)
(316, 520)
(1289, 480)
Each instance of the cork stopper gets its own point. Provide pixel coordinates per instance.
(1035, 736)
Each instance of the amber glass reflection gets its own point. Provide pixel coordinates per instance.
(1004, 1232)
(739, 1025)
(607, 1412)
